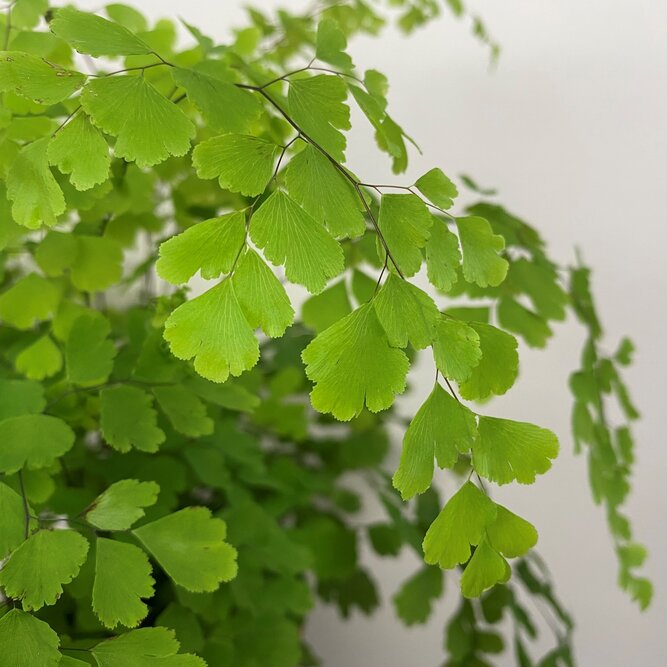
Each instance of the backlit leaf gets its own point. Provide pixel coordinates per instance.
(481, 262)
(121, 505)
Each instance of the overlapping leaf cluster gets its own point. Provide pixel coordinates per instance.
(153, 472)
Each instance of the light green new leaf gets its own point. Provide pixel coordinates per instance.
(37, 79)
(353, 365)
(456, 349)
(89, 353)
(485, 569)
(481, 262)
(331, 44)
(319, 187)
(122, 578)
(405, 223)
(497, 369)
(185, 410)
(145, 647)
(80, 150)
(406, 313)
(324, 309)
(98, 263)
(414, 600)
(121, 505)
(317, 105)
(96, 36)
(39, 360)
(20, 397)
(241, 163)
(437, 188)
(511, 535)
(190, 547)
(12, 521)
(443, 256)
(209, 247)
(507, 450)
(27, 641)
(442, 428)
(147, 138)
(214, 330)
(460, 524)
(289, 235)
(262, 297)
(128, 419)
(29, 300)
(32, 442)
(35, 194)
(36, 572)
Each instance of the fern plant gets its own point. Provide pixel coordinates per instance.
(175, 467)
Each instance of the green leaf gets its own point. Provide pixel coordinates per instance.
(437, 188)
(214, 330)
(324, 309)
(189, 546)
(241, 163)
(443, 256)
(289, 235)
(481, 262)
(122, 578)
(262, 297)
(518, 319)
(507, 450)
(331, 44)
(325, 193)
(456, 349)
(406, 313)
(224, 106)
(414, 600)
(539, 280)
(36, 79)
(442, 428)
(317, 105)
(460, 524)
(148, 138)
(353, 365)
(121, 505)
(35, 195)
(36, 572)
(485, 569)
(32, 441)
(27, 641)
(80, 150)
(96, 36)
(127, 16)
(185, 410)
(39, 360)
(498, 367)
(29, 300)
(98, 263)
(20, 397)
(89, 353)
(209, 247)
(405, 223)
(145, 647)
(511, 535)
(56, 252)
(12, 521)
(128, 419)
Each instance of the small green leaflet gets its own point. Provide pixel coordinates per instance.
(405, 223)
(353, 365)
(32, 442)
(96, 36)
(456, 349)
(262, 297)
(189, 546)
(35, 195)
(481, 262)
(98, 263)
(27, 641)
(121, 505)
(20, 397)
(331, 44)
(507, 450)
(511, 535)
(323, 191)
(39, 360)
(324, 309)
(148, 138)
(485, 569)
(122, 578)
(80, 150)
(442, 428)
(213, 329)
(289, 235)
(185, 410)
(36, 572)
(36, 79)
(209, 247)
(12, 520)
(437, 188)
(317, 105)
(128, 419)
(127, 16)
(56, 252)
(414, 600)
(443, 256)
(29, 300)
(240, 162)
(539, 280)
(518, 319)
(89, 353)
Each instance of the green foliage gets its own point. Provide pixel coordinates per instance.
(179, 463)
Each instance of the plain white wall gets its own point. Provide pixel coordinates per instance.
(572, 128)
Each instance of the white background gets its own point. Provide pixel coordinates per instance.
(572, 128)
